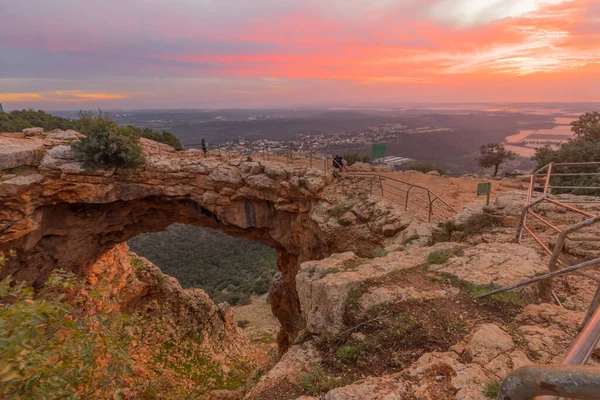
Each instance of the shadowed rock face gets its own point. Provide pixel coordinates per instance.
(60, 216)
(64, 217)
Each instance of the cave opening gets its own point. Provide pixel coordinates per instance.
(229, 269)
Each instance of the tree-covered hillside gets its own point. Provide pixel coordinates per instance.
(227, 268)
(17, 120)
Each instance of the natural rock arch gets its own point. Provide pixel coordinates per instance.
(60, 216)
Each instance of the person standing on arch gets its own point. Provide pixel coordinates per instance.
(204, 147)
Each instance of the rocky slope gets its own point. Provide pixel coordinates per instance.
(373, 302)
(406, 325)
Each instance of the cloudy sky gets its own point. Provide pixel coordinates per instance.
(71, 54)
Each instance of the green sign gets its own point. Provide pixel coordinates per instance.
(485, 189)
(378, 151)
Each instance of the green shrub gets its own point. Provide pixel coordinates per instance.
(492, 389)
(379, 252)
(352, 157)
(439, 256)
(243, 323)
(107, 145)
(52, 342)
(412, 238)
(162, 137)
(318, 381)
(349, 353)
(17, 120)
(338, 210)
(585, 147)
(423, 167)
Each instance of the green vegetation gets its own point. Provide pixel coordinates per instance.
(492, 389)
(412, 238)
(585, 147)
(227, 268)
(16, 121)
(106, 144)
(318, 381)
(494, 155)
(352, 157)
(423, 167)
(379, 252)
(51, 342)
(439, 256)
(339, 209)
(349, 353)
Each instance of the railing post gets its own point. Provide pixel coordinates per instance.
(407, 193)
(310, 158)
(547, 184)
(430, 210)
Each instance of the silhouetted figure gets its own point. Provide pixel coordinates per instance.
(204, 147)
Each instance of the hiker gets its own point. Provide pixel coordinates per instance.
(337, 162)
(204, 148)
(337, 166)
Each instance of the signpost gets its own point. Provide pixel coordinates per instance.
(378, 150)
(485, 189)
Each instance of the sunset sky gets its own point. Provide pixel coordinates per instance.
(71, 54)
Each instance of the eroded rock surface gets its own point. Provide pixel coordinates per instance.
(500, 264)
(59, 215)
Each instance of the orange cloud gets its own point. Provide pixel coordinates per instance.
(18, 97)
(60, 96)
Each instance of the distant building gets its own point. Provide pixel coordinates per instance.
(1, 109)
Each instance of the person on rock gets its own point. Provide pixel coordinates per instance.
(204, 147)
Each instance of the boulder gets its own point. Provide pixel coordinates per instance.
(297, 362)
(500, 264)
(385, 387)
(64, 135)
(19, 152)
(33, 131)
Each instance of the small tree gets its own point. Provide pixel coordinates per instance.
(493, 155)
(106, 144)
(587, 126)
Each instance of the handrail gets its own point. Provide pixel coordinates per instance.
(428, 204)
(570, 379)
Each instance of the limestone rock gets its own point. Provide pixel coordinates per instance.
(500, 264)
(297, 362)
(12, 187)
(386, 387)
(227, 174)
(434, 173)
(487, 342)
(61, 152)
(383, 295)
(468, 211)
(510, 203)
(33, 131)
(275, 171)
(323, 286)
(18, 152)
(549, 330)
(64, 135)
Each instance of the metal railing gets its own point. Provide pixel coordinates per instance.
(418, 199)
(572, 378)
(548, 172)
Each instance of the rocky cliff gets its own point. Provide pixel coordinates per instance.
(55, 214)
